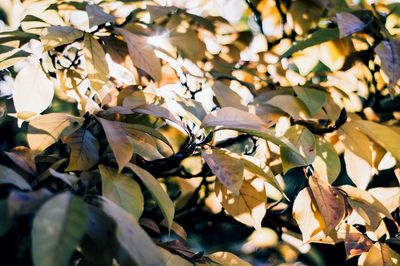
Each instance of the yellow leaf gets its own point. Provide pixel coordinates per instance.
(96, 64)
(359, 170)
(290, 105)
(227, 169)
(333, 53)
(142, 53)
(45, 130)
(227, 259)
(380, 255)
(249, 206)
(227, 97)
(365, 205)
(355, 141)
(118, 140)
(388, 196)
(54, 36)
(233, 118)
(306, 215)
(303, 15)
(33, 91)
(383, 135)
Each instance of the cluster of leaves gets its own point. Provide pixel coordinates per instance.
(182, 113)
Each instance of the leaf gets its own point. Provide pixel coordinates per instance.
(303, 15)
(45, 130)
(118, 140)
(96, 64)
(84, 150)
(176, 228)
(382, 135)
(118, 51)
(359, 170)
(10, 177)
(142, 54)
(290, 156)
(228, 169)
(312, 98)
(348, 24)
(389, 54)
(33, 91)
(158, 111)
(355, 141)
(303, 140)
(55, 36)
(227, 259)
(135, 246)
(12, 59)
(22, 156)
(380, 255)
(188, 44)
(355, 242)
(248, 207)
(230, 117)
(388, 196)
(327, 162)
(317, 37)
(329, 202)
(369, 208)
(157, 192)
(227, 97)
(306, 214)
(143, 144)
(58, 228)
(68, 179)
(122, 190)
(290, 105)
(97, 16)
(174, 260)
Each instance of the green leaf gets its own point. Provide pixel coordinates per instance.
(327, 162)
(84, 150)
(122, 190)
(302, 138)
(96, 64)
(312, 98)
(289, 154)
(383, 135)
(5, 219)
(291, 105)
(319, 36)
(58, 228)
(157, 192)
(118, 140)
(136, 247)
(10, 177)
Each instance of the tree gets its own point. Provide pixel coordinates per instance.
(167, 135)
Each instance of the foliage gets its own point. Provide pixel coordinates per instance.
(137, 120)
